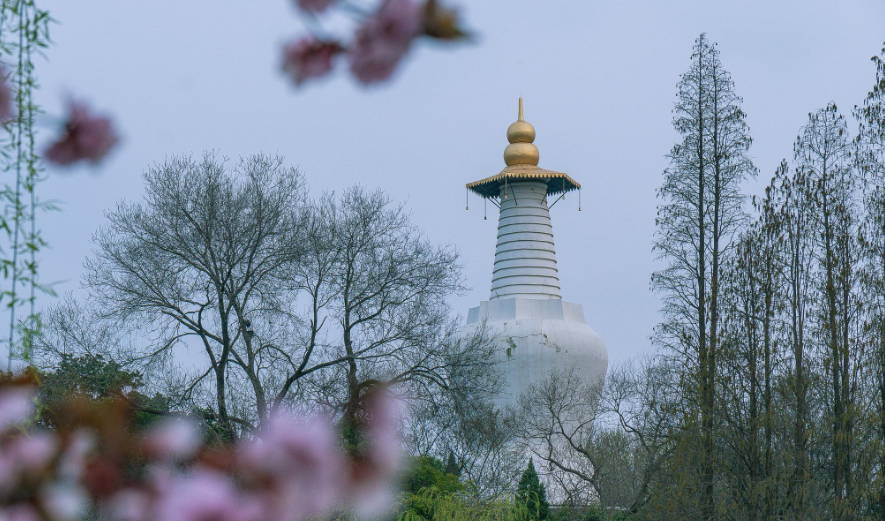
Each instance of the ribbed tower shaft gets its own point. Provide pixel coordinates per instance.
(525, 259)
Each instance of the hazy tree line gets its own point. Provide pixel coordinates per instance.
(765, 398)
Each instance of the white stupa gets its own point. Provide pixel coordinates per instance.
(538, 331)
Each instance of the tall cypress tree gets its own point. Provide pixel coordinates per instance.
(452, 466)
(752, 297)
(871, 159)
(702, 210)
(822, 153)
(532, 493)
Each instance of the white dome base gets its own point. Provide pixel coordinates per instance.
(539, 336)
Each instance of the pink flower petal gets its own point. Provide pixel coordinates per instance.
(64, 501)
(384, 39)
(32, 452)
(73, 459)
(173, 439)
(87, 137)
(16, 406)
(128, 505)
(315, 6)
(309, 58)
(304, 460)
(6, 99)
(373, 500)
(19, 512)
(205, 495)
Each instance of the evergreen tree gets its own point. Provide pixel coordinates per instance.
(429, 472)
(532, 493)
(452, 466)
(100, 379)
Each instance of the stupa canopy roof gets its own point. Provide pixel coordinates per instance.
(557, 182)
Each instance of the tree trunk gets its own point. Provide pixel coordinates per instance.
(703, 353)
(220, 377)
(766, 397)
(835, 369)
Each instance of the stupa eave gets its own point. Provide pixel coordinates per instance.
(490, 187)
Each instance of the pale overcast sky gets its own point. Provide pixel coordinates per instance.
(598, 79)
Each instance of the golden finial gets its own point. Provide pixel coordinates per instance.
(521, 135)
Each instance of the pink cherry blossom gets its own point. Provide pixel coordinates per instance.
(87, 136)
(372, 490)
(293, 469)
(384, 39)
(372, 499)
(173, 439)
(6, 99)
(205, 495)
(30, 452)
(303, 459)
(25, 455)
(16, 406)
(64, 501)
(20, 512)
(309, 58)
(384, 410)
(315, 6)
(127, 505)
(73, 459)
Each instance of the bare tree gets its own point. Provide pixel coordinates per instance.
(292, 302)
(644, 398)
(796, 267)
(557, 419)
(390, 288)
(603, 444)
(478, 436)
(198, 256)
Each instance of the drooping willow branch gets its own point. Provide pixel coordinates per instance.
(24, 30)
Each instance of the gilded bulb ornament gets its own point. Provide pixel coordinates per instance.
(521, 132)
(521, 135)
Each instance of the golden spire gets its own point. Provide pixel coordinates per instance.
(521, 135)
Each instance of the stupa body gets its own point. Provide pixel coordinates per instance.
(538, 332)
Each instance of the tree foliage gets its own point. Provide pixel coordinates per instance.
(99, 380)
